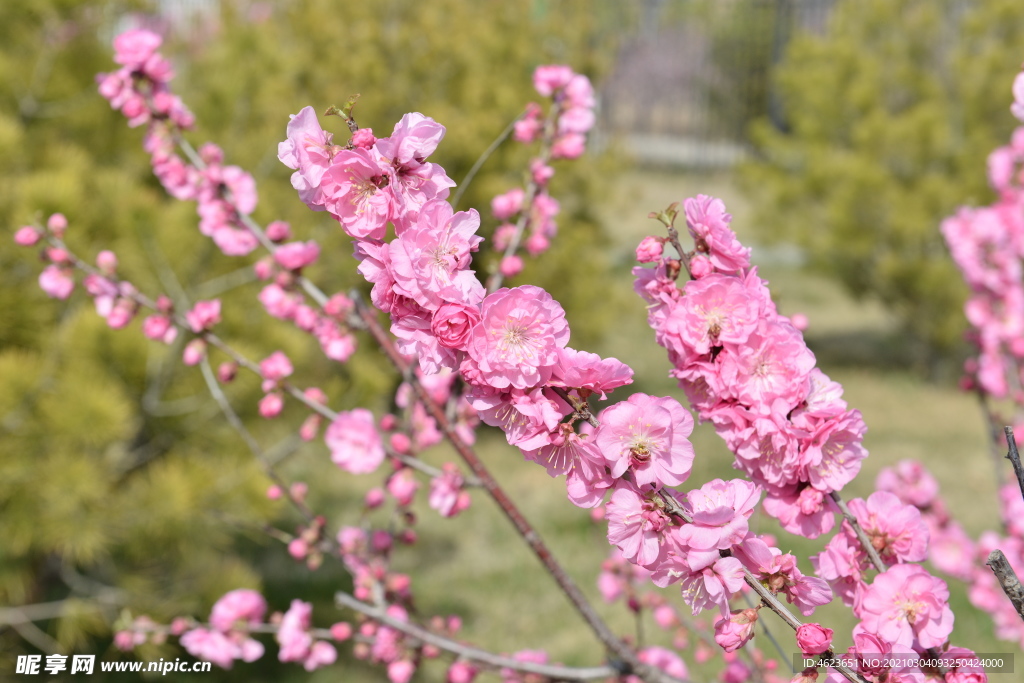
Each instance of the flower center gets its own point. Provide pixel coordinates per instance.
(516, 341)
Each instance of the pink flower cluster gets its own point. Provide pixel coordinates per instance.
(987, 245)
(746, 368)
(139, 89)
(227, 638)
(296, 642)
(952, 551)
(563, 136)
(366, 185)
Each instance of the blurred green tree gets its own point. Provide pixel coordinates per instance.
(886, 133)
(121, 486)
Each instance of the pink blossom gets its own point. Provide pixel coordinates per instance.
(813, 639)
(664, 659)
(446, 494)
(1017, 108)
(541, 172)
(568, 146)
(160, 328)
(711, 582)
(194, 352)
(536, 244)
(590, 373)
(908, 606)
(354, 442)
(531, 125)
(461, 672)
(355, 191)
(910, 481)
(720, 511)
(321, 653)
(211, 646)
(650, 249)
(805, 511)
(271, 405)
(278, 231)
(309, 150)
(133, 48)
(504, 206)
(452, 324)
(429, 261)
(403, 485)
(510, 266)
(413, 180)
(647, 435)
(238, 605)
(577, 457)
(276, 366)
(363, 138)
(896, 530)
(204, 315)
(637, 524)
(733, 632)
(517, 340)
(56, 282)
(832, 450)
(713, 311)
(576, 120)
(528, 418)
(401, 671)
(297, 255)
(709, 226)
(549, 78)
(773, 363)
(26, 236)
(293, 633)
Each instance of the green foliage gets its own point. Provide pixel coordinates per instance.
(887, 133)
(119, 469)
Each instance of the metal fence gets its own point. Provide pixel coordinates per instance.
(686, 87)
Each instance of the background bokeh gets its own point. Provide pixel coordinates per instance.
(839, 133)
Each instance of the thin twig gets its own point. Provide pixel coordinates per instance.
(261, 457)
(1014, 457)
(483, 158)
(559, 673)
(865, 542)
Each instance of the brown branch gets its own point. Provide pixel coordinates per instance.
(1007, 578)
(1014, 457)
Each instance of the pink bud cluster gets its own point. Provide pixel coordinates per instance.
(366, 554)
(139, 88)
(746, 369)
(140, 91)
(225, 196)
(563, 136)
